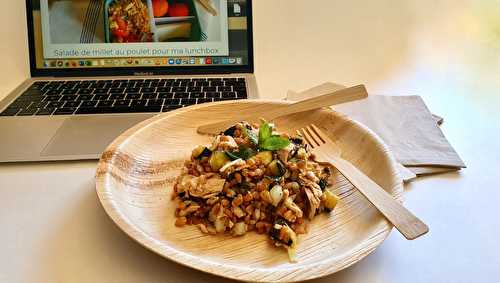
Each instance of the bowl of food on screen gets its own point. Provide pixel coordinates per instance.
(128, 21)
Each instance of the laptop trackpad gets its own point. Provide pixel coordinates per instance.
(89, 135)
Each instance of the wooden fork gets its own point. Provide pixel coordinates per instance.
(326, 152)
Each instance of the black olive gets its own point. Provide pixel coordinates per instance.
(323, 184)
(205, 153)
(230, 131)
(275, 234)
(181, 194)
(296, 140)
(280, 221)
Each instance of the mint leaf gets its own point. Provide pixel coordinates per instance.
(265, 131)
(232, 155)
(246, 152)
(274, 143)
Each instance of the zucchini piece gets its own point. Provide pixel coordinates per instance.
(330, 200)
(276, 168)
(218, 159)
(265, 157)
(197, 151)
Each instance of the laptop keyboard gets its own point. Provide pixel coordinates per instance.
(122, 96)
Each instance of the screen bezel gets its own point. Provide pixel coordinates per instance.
(131, 71)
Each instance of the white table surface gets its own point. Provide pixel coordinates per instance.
(53, 228)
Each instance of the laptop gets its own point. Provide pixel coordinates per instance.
(99, 67)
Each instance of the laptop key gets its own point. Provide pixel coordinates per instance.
(144, 84)
(40, 104)
(100, 91)
(163, 89)
(52, 98)
(84, 97)
(173, 101)
(116, 90)
(28, 112)
(92, 103)
(229, 95)
(55, 104)
(133, 89)
(85, 91)
(188, 101)
(209, 89)
(65, 111)
(181, 95)
(197, 95)
(216, 83)
(194, 89)
(21, 103)
(68, 97)
(149, 96)
(165, 95)
(70, 91)
(240, 89)
(179, 89)
(101, 97)
(141, 102)
(224, 88)
(202, 84)
(134, 96)
(122, 103)
(155, 102)
(242, 94)
(213, 95)
(45, 111)
(33, 92)
(148, 89)
(72, 104)
(117, 96)
(53, 92)
(105, 103)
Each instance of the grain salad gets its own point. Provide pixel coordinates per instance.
(252, 178)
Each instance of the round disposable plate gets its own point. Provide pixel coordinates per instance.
(135, 176)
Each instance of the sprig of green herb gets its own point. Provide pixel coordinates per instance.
(268, 141)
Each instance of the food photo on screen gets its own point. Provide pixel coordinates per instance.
(85, 28)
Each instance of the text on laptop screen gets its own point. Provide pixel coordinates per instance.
(139, 33)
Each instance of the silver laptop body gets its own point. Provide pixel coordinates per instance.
(85, 136)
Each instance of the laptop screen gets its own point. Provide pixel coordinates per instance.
(172, 34)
